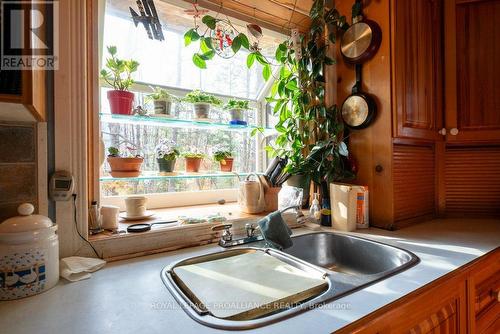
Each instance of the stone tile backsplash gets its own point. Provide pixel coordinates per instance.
(18, 167)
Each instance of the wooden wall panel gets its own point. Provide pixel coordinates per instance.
(478, 68)
(414, 174)
(472, 181)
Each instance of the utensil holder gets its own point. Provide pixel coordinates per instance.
(271, 198)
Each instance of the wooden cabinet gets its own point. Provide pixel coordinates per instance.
(464, 302)
(484, 297)
(472, 51)
(417, 68)
(441, 309)
(23, 92)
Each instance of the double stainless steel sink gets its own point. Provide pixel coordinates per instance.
(349, 263)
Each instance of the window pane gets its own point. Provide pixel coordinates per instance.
(169, 63)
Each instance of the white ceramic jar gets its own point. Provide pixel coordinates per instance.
(29, 254)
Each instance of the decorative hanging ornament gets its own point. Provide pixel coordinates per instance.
(195, 12)
(255, 34)
(296, 44)
(222, 39)
(255, 30)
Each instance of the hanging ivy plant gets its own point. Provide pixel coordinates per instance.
(310, 134)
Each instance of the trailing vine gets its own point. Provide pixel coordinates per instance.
(310, 133)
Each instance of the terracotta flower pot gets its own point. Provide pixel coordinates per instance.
(125, 167)
(226, 165)
(193, 164)
(166, 166)
(120, 102)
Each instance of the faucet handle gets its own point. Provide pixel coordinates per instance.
(226, 235)
(251, 229)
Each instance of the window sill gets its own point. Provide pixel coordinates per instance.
(163, 238)
(229, 211)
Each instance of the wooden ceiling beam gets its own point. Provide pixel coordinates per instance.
(270, 14)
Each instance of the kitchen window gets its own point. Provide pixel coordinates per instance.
(168, 65)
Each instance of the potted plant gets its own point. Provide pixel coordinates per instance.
(201, 102)
(236, 108)
(166, 155)
(162, 101)
(225, 158)
(193, 161)
(118, 74)
(124, 166)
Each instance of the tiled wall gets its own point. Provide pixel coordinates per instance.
(18, 167)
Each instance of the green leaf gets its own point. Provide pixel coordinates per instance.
(112, 50)
(266, 72)
(260, 58)
(329, 61)
(250, 59)
(244, 41)
(199, 61)
(190, 36)
(292, 85)
(208, 55)
(208, 42)
(236, 45)
(332, 37)
(209, 21)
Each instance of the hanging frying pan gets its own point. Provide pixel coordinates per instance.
(361, 40)
(359, 109)
(143, 227)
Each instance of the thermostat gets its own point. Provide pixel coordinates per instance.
(61, 186)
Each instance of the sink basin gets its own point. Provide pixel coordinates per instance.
(346, 262)
(350, 255)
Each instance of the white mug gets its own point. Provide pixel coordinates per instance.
(109, 215)
(136, 206)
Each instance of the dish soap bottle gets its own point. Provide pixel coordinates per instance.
(326, 211)
(315, 210)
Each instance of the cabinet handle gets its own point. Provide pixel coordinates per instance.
(454, 132)
(496, 295)
(442, 132)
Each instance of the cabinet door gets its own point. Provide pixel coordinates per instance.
(440, 309)
(484, 295)
(417, 69)
(472, 70)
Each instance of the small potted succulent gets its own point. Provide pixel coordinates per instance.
(166, 155)
(118, 74)
(193, 161)
(162, 101)
(201, 103)
(225, 158)
(236, 108)
(124, 165)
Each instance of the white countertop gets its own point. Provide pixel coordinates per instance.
(129, 296)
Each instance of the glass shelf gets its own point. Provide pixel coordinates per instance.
(178, 123)
(174, 176)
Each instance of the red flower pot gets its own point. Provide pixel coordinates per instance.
(226, 165)
(120, 102)
(193, 165)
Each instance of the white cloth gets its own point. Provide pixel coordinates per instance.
(76, 268)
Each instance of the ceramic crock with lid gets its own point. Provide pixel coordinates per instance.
(29, 254)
